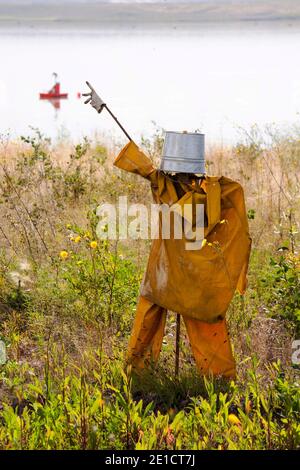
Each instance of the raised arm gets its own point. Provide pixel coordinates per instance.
(131, 158)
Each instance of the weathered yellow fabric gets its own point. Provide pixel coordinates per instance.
(209, 341)
(197, 284)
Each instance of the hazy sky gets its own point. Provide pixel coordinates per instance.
(133, 1)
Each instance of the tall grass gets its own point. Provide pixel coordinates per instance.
(67, 303)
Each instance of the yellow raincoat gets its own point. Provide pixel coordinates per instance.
(198, 284)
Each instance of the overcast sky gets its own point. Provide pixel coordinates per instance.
(130, 1)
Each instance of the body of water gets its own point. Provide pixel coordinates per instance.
(209, 77)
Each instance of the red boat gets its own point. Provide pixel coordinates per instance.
(54, 93)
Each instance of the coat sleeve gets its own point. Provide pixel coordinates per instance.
(132, 159)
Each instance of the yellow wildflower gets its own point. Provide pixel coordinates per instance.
(233, 419)
(93, 245)
(77, 239)
(64, 254)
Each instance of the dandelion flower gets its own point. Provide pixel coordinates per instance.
(233, 419)
(77, 239)
(64, 254)
(93, 245)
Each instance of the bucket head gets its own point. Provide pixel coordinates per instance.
(183, 152)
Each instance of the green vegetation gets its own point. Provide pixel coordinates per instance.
(67, 304)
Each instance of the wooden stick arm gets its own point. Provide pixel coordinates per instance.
(119, 124)
(98, 104)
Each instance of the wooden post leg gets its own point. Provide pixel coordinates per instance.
(177, 345)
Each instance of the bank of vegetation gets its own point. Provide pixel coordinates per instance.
(67, 302)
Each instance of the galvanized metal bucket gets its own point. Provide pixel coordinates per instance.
(183, 152)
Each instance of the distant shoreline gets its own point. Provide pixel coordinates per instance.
(88, 28)
(145, 15)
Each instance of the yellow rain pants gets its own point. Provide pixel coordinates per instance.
(209, 341)
(198, 284)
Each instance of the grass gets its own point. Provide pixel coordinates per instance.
(67, 306)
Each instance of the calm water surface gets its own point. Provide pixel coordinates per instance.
(212, 78)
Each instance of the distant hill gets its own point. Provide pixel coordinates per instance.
(284, 3)
(100, 12)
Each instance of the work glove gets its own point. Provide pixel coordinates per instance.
(94, 99)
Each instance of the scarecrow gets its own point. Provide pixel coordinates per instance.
(198, 284)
